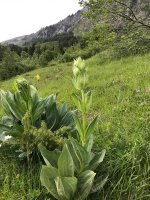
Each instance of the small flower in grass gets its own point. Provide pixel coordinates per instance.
(7, 137)
(38, 77)
(0, 145)
(137, 90)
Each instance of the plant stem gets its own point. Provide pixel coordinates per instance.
(83, 117)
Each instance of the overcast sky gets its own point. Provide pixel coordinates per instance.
(22, 17)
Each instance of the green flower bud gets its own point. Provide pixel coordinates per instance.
(80, 79)
(76, 71)
(79, 67)
(21, 85)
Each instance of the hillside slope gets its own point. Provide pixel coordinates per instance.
(120, 76)
(121, 93)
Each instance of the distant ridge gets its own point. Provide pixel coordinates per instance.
(76, 23)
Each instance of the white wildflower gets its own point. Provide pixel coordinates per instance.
(7, 137)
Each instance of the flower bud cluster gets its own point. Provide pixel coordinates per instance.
(80, 78)
(21, 85)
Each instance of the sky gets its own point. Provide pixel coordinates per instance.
(23, 17)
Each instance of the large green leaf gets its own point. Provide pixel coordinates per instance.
(4, 130)
(85, 183)
(17, 130)
(67, 119)
(38, 110)
(90, 143)
(34, 97)
(78, 126)
(66, 187)
(50, 157)
(50, 100)
(14, 129)
(65, 163)
(62, 110)
(10, 103)
(38, 104)
(99, 184)
(4, 103)
(78, 153)
(8, 121)
(13, 106)
(90, 128)
(20, 103)
(57, 117)
(52, 117)
(4, 127)
(77, 101)
(88, 100)
(97, 159)
(47, 177)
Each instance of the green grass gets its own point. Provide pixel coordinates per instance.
(121, 98)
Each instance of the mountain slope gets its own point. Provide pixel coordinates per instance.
(76, 23)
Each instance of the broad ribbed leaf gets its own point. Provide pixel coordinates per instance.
(78, 153)
(7, 120)
(20, 103)
(52, 117)
(99, 184)
(63, 109)
(90, 142)
(36, 113)
(90, 128)
(77, 101)
(34, 97)
(65, 163)
(50, 157)
(50, 100)
(97, 159)
(14, 109)
(85, 183)
(5, 103)
(88, 100)
(17, 130)
(14, 130)
(47, 177)
(78, 126)
(4, 130)
(67, 119)
(66, 187)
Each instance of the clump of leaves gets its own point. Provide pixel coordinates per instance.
(26, 111)
(69, 174)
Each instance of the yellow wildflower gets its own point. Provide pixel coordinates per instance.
(38, 77)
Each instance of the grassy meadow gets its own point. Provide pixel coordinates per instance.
(121, 99)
